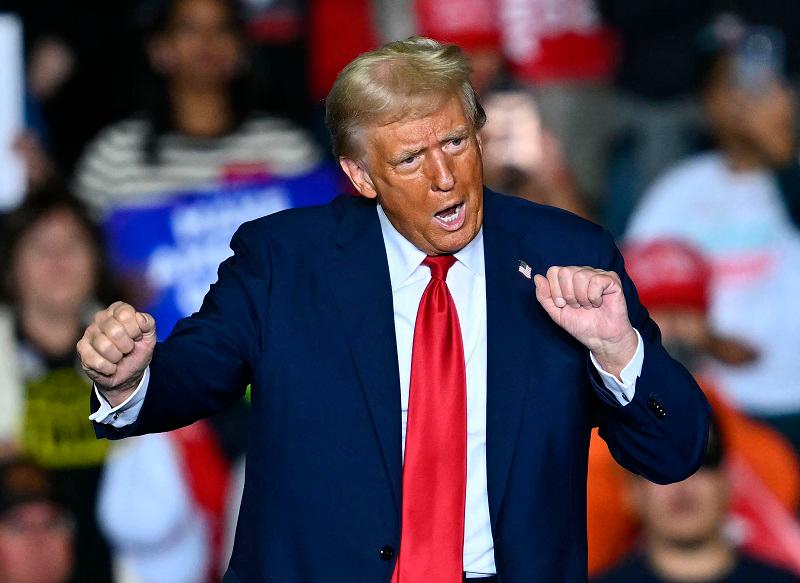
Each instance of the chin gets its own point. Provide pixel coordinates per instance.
(457, 242)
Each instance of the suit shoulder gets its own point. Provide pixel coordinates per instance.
(548, 220)
(308, 225)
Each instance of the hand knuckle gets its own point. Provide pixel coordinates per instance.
(102, 344)
(116, 332)
(126, 313)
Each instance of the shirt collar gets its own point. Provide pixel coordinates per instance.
(404, 258)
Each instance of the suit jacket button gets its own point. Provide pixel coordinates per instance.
(387, 552)
(656, 407)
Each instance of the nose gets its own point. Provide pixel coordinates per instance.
(442, 177)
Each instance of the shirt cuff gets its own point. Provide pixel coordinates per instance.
(126, 412)
(623, 388)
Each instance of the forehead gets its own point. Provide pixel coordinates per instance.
(60, 219)
(420, 126)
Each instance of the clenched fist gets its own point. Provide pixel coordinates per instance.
(116, 349)
(590, 305)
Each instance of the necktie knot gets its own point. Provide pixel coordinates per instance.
(439, 265)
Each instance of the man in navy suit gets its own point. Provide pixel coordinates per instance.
(427, 360)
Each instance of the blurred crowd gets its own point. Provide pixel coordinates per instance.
(670, 122)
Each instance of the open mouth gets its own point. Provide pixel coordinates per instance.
(452, 217)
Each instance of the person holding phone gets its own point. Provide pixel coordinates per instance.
(729, 204)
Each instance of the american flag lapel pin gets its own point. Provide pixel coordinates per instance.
(524, 269)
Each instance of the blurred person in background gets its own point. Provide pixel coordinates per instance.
(53, 278)
(474, 26)
(80, 68)
(523, 158)
(200, 126)
(164, 502)
(728, 203)
(39, 166)
(565, 53)
(277, 31)
(673, 281)
(36, 531)
(684, 536)
(656, 119)
(168, 502)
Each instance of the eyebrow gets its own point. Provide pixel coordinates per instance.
(459, 132)
(395, 160)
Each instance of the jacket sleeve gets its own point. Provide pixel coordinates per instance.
(662, 433)
(208, 359)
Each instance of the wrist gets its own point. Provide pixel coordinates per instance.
(120, 393)
(614, 355)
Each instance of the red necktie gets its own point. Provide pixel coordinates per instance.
(435, 465)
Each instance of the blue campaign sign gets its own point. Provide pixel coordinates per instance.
(167, 252)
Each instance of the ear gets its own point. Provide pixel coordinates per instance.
(358, 177)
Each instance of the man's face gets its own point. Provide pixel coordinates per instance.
(426, 173)
(685, 334)
(35, 545)
(760, 124)
(685, 514)
(54, 266)
(201, 47)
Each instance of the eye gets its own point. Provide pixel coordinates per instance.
(457, 141)
(407, 161)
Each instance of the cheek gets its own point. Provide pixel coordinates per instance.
(408, 199)
(185, 48)
(229, 50)
(29, 273)
(81, 266)
(60, 550)
(14, 554)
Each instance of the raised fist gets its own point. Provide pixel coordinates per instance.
(117, 348)
(589, 304)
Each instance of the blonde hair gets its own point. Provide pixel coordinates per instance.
(401, 79)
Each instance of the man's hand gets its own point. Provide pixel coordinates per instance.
(116, 349)
(589, 304)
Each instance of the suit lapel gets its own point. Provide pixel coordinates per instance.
(358, 272)
(511, 316)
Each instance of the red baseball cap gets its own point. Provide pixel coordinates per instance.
(668, 273)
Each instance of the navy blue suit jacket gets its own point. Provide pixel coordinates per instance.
(303, 312)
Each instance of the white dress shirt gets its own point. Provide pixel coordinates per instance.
(466, 281)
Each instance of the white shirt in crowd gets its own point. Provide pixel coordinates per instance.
(739, 221)
(115, 169)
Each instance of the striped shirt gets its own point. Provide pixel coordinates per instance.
(114, 169)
